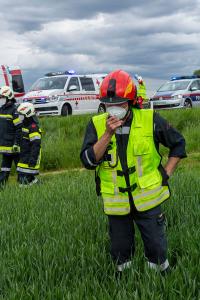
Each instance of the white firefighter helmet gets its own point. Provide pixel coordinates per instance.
(26, 109)
(6, 92)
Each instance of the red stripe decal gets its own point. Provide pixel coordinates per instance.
(19, 95)
(15, 72)
(5, 75)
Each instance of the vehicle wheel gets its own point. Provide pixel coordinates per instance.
(102, 108)
(187, 103)
(65, 110)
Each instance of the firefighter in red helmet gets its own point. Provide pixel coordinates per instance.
(122, 146)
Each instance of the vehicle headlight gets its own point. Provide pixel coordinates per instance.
(176, 97)
(53, 98)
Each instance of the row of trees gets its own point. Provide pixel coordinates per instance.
(196, 72)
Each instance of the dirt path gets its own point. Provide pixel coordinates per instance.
(61, 171)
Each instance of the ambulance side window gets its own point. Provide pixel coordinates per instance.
(17, 83)
(87, 84)
(73, 81)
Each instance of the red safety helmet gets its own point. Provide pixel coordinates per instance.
(118, 87)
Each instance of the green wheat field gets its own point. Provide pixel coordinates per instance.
(54, 242)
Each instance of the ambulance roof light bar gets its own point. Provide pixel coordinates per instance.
(69, 72)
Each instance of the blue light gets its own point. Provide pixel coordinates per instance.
(71, 72)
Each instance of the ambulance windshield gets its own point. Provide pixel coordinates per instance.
(49, 83)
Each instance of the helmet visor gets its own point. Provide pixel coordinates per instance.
(113, 100)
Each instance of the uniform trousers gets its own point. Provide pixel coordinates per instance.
(151, 225)
(6, 164)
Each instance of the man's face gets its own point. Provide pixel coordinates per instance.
(117, 110)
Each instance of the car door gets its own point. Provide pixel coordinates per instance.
(89, 103)
(195, 93)
(73, 92)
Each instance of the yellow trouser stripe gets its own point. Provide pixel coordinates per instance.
(6, 149)
(34, 134)
(26, 166)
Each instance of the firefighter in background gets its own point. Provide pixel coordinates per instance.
(122, 146)
(10, 132)
(30, 154)
(141, 91)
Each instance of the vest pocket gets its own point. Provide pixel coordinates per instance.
(150, 180)
(107, 187)
(142, 148)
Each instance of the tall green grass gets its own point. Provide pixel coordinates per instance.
(63, 137)
(187, 121)
(54, 243)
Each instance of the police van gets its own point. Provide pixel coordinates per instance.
(179, 92)
(66, 93)
(12, 77)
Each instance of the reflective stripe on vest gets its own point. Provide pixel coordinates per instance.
(142, 156)
(6, 116)
(17, 121)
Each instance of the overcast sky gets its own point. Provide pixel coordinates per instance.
(155, 39)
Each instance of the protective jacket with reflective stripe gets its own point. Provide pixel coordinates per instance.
(141, 91)
(30, 153)
(10, 127)
(142, 160)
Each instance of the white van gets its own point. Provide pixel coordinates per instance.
(12, 77)
(66, 93)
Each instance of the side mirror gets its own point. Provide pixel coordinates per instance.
(194, 88)
(72, 88)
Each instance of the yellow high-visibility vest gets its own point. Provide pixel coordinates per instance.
(142, 160)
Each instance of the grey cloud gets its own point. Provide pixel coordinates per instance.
(154, 38)
(31, 16)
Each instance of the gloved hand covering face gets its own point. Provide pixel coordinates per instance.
(117, 111)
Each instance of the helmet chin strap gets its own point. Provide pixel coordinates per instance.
(127, 114)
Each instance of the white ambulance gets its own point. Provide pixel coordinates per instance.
(66, 93)
(12, 77)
